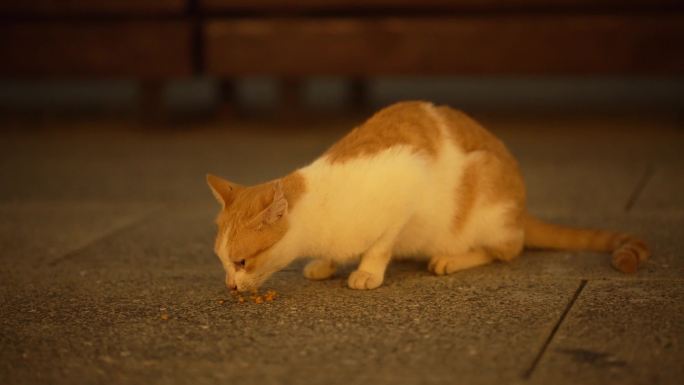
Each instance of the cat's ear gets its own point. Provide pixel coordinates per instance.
(223, 191)
(278, 206)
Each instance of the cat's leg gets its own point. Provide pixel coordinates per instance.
(371, 270)
(500, 248)
(506, 250)
(319, 269)
(447, 264)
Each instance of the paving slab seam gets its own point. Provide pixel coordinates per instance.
(626, 278)
(528, 373)
(645, 178)
(110, 234)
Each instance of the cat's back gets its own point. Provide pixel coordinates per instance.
(470, 136)
(409, 124)
(420, 126)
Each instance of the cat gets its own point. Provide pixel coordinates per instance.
(415, 180)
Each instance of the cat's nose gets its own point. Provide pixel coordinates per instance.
(230, 282)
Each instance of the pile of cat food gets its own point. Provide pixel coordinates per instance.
(255, 297)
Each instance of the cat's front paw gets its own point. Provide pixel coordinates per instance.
(319, 269)
(360, 279)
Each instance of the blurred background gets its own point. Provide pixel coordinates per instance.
(167, 60)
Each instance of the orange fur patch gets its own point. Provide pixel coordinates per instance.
(466, 191)
(492, 177)
(406, 123)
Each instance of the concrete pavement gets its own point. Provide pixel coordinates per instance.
(107, 273)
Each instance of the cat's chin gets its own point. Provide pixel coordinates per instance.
(250, 282)
(254, 280)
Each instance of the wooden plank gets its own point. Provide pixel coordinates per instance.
(144, 49)
(507, 45)
(428, 5)
(78, 7)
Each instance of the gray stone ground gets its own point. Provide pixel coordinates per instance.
(108, 276)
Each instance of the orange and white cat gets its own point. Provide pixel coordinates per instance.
(415, 180)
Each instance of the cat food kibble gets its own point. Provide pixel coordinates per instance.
(270, 295)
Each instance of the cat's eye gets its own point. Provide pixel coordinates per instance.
(240, 263)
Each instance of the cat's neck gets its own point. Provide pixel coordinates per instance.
(294, 186)
(293, 245)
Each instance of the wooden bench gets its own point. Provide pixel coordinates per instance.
(156, 40)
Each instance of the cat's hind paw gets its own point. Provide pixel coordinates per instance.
(319, 269)
(442, 265)
(360, 279)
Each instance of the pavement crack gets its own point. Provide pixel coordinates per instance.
(646, 177)
(528, 373)
(108, 235)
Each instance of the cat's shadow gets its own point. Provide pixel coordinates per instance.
(406, 273)
(401, 267)
(395, 267)
(396, 271)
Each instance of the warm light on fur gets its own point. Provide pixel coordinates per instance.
(415, 181)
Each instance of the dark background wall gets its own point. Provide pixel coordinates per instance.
(222, 55)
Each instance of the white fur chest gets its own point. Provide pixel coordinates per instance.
(349, 206)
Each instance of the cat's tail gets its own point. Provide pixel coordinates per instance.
(628, 251)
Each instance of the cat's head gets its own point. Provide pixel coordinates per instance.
(252, 220)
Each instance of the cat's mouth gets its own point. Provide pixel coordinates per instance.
(249, 282)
